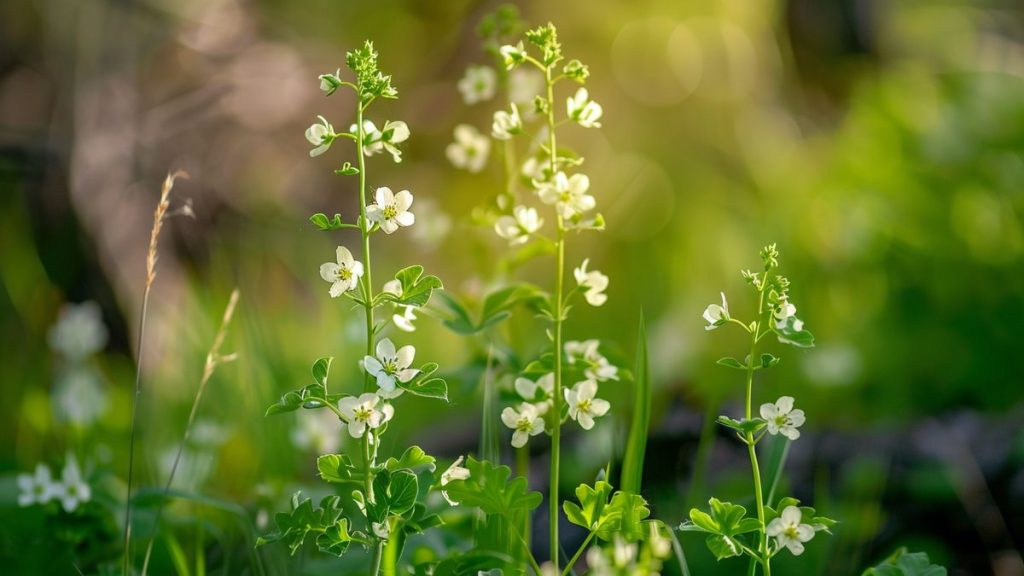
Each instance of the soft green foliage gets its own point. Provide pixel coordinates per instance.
(489, 489)
(325, 522)
(903, 563)
(725, 522)
(636, 443)
(416, 288)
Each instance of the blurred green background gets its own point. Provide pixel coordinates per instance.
(880, 144)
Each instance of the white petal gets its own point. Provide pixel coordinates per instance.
(356, 428)
(345, 259)
(769, 411)
(585, 420)
(791, 515)
(405, 218)
(785, 404)
(586, 389)
(329, 271)
(510, 417)
(384, 196)
(519, 439)
(372, 365)
(796, 418)
(385, 349)
(407, 374)
(599, 407)
(338, 288)
(526, 388)
(403, 200)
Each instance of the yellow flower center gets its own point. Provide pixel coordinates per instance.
(390, 212)
(362, 414)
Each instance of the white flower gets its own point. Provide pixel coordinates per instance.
(523, 85)
(391, 210)
(789, 532)
(79, 395)
(362, 413)
(524, 423)
(598, 367)
(79, 331)
(390, 366)
(72, 489)
(568, 194)
(583, 110)
(518, 227)
(782, 419)
(536, 170)
(330, 82)
(343, 274)
(594, 282)
(403, 321)
(38, 488)
(782, 312)
(469, 150)
(454, 472)
(376, 141)
(320, 135)
(382, 529)
(716, 315)
(527, 388)
(506, 125)
(478, 84)
(513, 55)
(583, 407)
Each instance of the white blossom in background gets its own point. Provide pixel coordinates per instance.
(507, 124)
(567, 193)
(781, 417)
(79, 395)
(478, 84)
(583, 406)
(524, 423)
(390, 367)
(789, 532)
(317, 432)
(320, 135)
(518, 227)
(523, 85)
(598, 367)
(594, 283)
(432, 227)
(376, 141)
(343, 274)
(527, 389)
(79, 331)
(391, 210)
(583, 110)
(37, 488)
(454, 472)
(716, 315)
(536, 170)
(469, 150)
(363, 412)
(72, 490)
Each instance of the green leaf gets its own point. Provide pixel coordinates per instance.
(418, 521)
(338, 468)
(588, 513)
(903, 563)
(496, 308)
(414, 457)
(428, 388)
(768, 361)
(335, 539)
(490, 489)
(624, 516)
(401, 491)
(723, 546)
(461, 322)
(416, 288)
(310, 397)
(320, 369)
(293, 527)
(636, 444)
(725, 519)
(743, 427)
(731, 362)
(788, 334)
(347, 170)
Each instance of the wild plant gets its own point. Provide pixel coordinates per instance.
(384, 498)
(785, 525)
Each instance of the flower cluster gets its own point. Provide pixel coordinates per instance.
(40, 488)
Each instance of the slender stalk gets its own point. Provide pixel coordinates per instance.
(151, 258)
(559, 312)
(529, 554)
(576, 556)
(364, 230)
(213, 358)
(762, 546)
(378, 555)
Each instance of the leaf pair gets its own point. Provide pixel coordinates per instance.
(623, 515)
(725, 522)
(497, 307)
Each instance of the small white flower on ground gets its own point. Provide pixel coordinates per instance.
(525, 422)
(568, 194)
(513, 55)
(478, 84)
(598, 367)
(782, 419)
(506, 125)
(79, 331)
(527, 389)
(789, 532)
(594, 282)
(72, 490)
(716, 315)
(454, 472)
(469, 150)
(391, 210)
(320, 135)
(38, 488)
(518, 227)
(391, 366)
(343, 274)
(583, 110)
(583, 407)
(363, 412)
(523, 85)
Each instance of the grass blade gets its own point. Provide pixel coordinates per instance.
(633, 461)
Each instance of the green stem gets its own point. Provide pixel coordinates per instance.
(553, 513)
(523, 470)
(762, 546)
(378, 554)
(526, 547)
(364, 231)
(576, 556)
